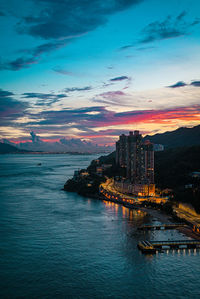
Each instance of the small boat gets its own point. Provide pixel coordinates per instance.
(39, 164)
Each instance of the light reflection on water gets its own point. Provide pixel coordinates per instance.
(56, 244)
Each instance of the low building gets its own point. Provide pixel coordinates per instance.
(147, 190)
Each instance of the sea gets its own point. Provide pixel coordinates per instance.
(57, 244)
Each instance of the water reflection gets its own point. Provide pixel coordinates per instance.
(57, 245)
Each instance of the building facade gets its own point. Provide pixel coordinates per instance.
(137, 156)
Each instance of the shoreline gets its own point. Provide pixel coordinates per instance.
(163, 217)
(164, 212)
(154, 213)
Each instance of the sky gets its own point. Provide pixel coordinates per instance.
(93, 70)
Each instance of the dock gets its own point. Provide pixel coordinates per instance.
(153, 246)
(162, 226)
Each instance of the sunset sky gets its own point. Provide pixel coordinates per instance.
(93, 69)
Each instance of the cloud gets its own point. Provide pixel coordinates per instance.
(44, 96)
(49, 144)
(84, 122)
(182, 84)
(121, 78)
(126, 47)
(145, 48)
(62, 71)
(46, 99)
(72, 89)
(109, 97)
(195, 83)
(5, 94)
(68, 19)
(99, 116)
(35, 138)
(18, 64)
(171, 27)
(178, 84)
(61, 22)
(10, 108)
(31, 56)
(110, 94)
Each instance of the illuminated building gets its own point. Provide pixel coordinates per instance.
(137, 156)
(121, 151)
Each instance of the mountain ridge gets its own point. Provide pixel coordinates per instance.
(181, 137)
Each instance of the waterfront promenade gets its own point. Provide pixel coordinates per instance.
(192, 230)
(110, 192)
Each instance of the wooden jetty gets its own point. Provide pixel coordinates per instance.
(153, 246)
(161, 226)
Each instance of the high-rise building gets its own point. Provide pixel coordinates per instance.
(149, 162)
(121, 151)
(137, 156)
(135, 167)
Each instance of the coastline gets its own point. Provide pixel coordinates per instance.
(154, 213)
(89, 183)
(163, 217)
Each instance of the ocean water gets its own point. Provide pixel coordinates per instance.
(56, 244)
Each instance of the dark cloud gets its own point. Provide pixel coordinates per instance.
(18, 63)
(62, 71)
(145, 48)
(68, 19)
(121, 78)
(98, 116)
(178, 84)
(195, 83)
(182, 84)
(126, 47)
(138, 49)
(10, 108)
(31, 56)
(169, 28)
(181, 15)
(84, 117)
(44, 99)
(35, 138)
(44, 96)
(5, 94)
(60, 22)
(72, 89)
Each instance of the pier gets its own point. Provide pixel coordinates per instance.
(153, 246)
(162, 226)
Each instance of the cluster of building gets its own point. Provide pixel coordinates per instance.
(135, 156)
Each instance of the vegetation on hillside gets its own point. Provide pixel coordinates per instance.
(181, 137)
(8, 149)
(173, 169)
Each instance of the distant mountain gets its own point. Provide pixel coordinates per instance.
(73, 145)
(178, 138)
(7, 148)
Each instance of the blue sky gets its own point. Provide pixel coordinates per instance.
(104, 63)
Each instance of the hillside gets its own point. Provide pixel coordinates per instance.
(173, 170)
(7, 149)
(178, 138)
(173, 166)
